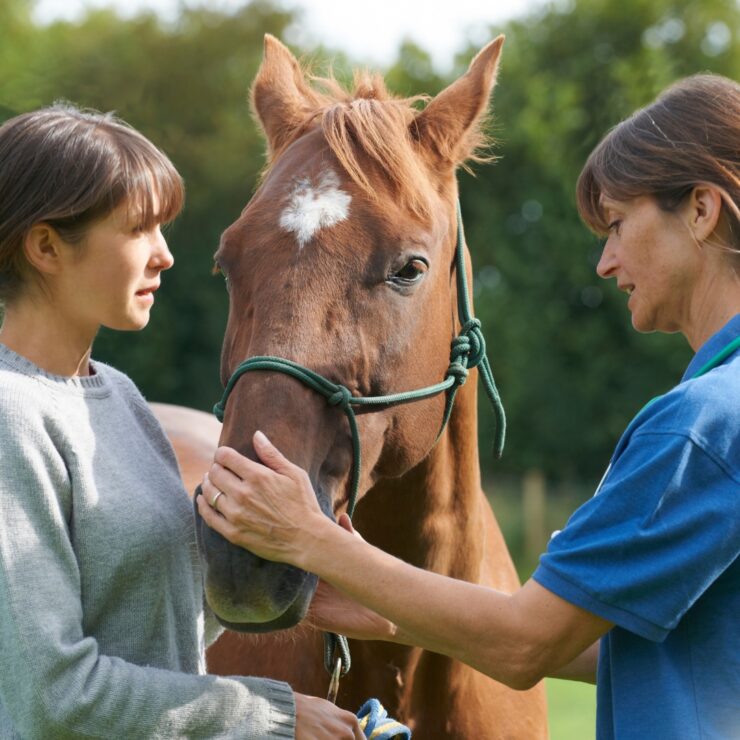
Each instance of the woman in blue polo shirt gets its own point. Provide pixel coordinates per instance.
(641, 590)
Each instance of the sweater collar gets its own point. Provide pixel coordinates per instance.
(94, 383)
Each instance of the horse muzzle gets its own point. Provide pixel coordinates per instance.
(246, 592)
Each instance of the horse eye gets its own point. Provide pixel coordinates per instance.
(412, 271)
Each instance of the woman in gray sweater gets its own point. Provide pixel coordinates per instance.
(102, 628)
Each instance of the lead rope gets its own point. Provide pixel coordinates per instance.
(467, 352)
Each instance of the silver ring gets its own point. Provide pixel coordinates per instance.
(214, 500)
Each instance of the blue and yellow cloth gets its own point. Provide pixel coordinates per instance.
(377, 725)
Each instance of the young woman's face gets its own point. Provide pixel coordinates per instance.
(653, 258)
(113, 273)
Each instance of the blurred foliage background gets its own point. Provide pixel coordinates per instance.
(570, 368)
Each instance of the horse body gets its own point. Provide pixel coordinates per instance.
(343, 262)
(194, 436)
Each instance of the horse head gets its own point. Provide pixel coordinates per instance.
(342, 262)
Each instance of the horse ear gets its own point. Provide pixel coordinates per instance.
(448, 126)
(281, 97)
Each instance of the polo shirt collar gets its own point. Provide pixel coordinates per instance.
(715, 344)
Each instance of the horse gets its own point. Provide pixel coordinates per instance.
(343, 261)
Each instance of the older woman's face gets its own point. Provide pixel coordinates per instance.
(654, 258)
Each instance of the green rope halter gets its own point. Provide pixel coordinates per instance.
(468, 351)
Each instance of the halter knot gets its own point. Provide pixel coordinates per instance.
(460, 348)
(218, 411)
(341, 398)
(469, 347)
(458, 371)
(471, 329)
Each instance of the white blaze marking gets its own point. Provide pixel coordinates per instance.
(312, 208)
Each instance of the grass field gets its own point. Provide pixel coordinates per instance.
(572, 710)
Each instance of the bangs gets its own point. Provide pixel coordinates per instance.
(149, 183)
(588, 201)
(609, 172)
(109, 164)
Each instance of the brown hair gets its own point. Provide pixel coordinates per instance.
(69, 168)
(688, 136)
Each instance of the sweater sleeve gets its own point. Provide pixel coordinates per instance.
(54, 680)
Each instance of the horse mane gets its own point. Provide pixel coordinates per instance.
(368, 124)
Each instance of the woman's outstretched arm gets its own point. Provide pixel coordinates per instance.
(517, 638)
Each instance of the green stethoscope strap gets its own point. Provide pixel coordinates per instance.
(719, 358)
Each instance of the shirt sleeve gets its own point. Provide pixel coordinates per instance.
(664, 525)
(54, 681)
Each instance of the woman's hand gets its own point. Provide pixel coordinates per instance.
(333, 611)
(269, 508)
(318, 719)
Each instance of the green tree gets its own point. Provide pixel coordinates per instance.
(572, 370)
(16, 47)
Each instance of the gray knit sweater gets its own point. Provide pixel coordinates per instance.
(101, 618)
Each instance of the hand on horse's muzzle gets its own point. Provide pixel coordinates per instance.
(267, 507)
(246, 592)
(257, 518)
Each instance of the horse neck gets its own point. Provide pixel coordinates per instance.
(432, 516)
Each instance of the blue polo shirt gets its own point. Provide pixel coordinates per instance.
(657, 552)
